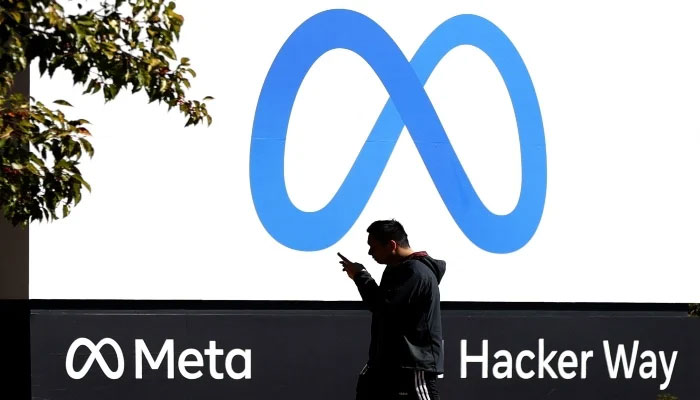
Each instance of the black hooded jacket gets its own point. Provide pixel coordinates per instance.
(405, 306)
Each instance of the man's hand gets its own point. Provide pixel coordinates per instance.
(351, 268)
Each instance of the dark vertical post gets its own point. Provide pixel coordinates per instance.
(15, 368)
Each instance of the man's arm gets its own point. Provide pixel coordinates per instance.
(405, 288)
(402, 290)
(368, 288)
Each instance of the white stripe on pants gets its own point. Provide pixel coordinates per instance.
(421, 389)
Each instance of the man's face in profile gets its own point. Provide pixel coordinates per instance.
(381, 252)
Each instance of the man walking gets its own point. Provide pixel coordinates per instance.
(405, 354)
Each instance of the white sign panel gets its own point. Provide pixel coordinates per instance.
(548, 151)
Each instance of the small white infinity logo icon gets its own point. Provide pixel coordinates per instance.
(94, 355)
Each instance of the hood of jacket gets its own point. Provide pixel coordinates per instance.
(437, 266)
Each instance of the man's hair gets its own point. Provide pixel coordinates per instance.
(384, 231)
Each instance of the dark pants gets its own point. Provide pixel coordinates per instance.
(402, 384)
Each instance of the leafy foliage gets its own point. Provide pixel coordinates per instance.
(119, 45)
(40, 150)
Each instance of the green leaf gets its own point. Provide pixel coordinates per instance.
(167, 51)
(22, 62)
(81, 180)
(96, 87)
(16, 16)
(92, 43)
(86, 22)
(110, 92)
(81, 58)
(62, 164)
(76, 193)
(36, 160)
(63, 103)
(42, 65)
(32, 169)
(87, 146)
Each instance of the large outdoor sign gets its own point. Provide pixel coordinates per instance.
(317, 355)
(546, 151)
(408, 105)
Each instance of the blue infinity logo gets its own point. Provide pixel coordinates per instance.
(408, 105)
